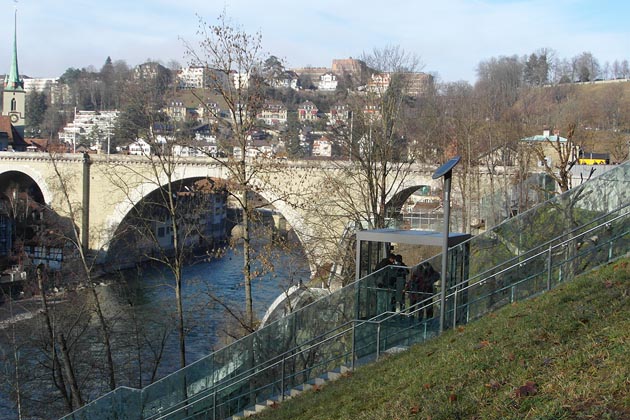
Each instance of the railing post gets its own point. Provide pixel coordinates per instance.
(610, 249)
(282, 379)
(467, 312)
(549, 269)
(214, 404)
(378, 340)
(352, 351)
(455, 308)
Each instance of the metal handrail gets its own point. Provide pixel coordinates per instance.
(230, 381)
(547, 246)
(465, 285)
(244, 377)
(458, 285)
(224, 386)
(551, 241)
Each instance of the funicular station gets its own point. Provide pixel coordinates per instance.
(522, 257)
(401, 288)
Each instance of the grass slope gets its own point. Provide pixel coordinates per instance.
(563, 355)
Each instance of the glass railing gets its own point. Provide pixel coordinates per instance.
(522, 257)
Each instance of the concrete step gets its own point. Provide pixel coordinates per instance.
(299, 389)
(317, 381)
(249, 412)
(311, 384)
(396, 349)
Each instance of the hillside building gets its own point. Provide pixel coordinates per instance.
(90, 128)
(307, 111)
(273, 113)
(328, 82)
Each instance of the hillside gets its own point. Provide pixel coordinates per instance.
(563, 355)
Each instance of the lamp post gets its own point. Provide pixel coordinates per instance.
(445, 171)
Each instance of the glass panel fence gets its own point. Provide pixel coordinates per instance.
(540, 271)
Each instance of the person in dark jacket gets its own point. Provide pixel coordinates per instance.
(383, 283)
(389, 260)
(420, 286)
(398, 283)
(384, 280)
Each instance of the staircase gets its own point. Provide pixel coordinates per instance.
(313, 384)
(527, 255)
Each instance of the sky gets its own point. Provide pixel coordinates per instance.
(450, 37)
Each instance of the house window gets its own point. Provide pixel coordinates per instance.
(39, 252)
(13, 104)
(55, 254)
(160, 232)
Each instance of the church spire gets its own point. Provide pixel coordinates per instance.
(12, 80)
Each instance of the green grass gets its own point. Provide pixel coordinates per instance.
(563, 355)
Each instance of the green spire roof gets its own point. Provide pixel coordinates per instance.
(12, 80)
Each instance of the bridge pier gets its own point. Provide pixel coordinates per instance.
(280, 226)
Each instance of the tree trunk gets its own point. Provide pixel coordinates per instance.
(177, 271)
(16, 361)
(79, 239)
(106, 340)
(180, 316)
(77, 401)
(247, 269)
(57, 375)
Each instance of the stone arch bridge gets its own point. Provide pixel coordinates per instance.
(295, 188)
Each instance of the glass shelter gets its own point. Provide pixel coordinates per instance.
(375, 244)
(398, 287)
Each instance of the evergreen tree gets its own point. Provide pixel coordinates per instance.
(36, 106)
(108, 78)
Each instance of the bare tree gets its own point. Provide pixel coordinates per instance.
(379, 140)
(161, 225)
(462, 135)
(64, 375)
(380, 146)
(499, 81)
(77, 359)
(392, 59)
(12, 365)
(235, 62)
(586, 67)
(563, 159)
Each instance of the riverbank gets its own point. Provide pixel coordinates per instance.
(25, 295)
(22, 309)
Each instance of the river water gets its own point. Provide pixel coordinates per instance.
(152, 297)
(222, 278)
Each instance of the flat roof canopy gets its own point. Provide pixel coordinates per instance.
(412, 237)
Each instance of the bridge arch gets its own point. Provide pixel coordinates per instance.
(144, 189)
(35, 176)
(397, 200)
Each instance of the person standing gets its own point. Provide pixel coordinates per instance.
(400, 279)
(383, 284)
(389, 260)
